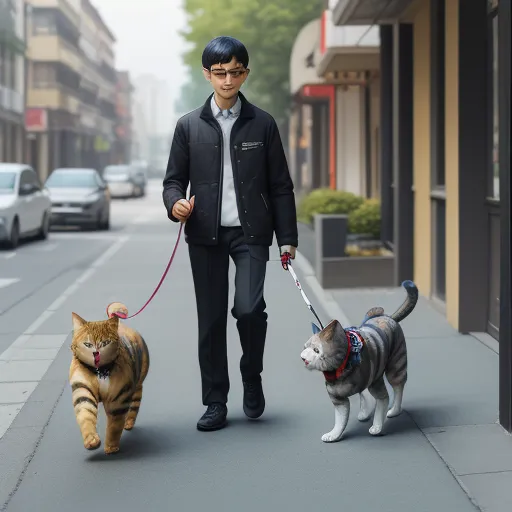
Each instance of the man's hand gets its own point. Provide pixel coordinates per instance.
(287, 253)
(183, 208)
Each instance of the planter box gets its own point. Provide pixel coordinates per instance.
(356, 272)
(334, 269)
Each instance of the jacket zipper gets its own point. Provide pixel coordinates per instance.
(219, 201)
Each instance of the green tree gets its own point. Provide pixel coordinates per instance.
(268, 29)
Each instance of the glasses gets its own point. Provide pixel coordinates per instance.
(223, 73)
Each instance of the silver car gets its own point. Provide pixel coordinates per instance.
(25, 206)
(79, 197)
(124, 180)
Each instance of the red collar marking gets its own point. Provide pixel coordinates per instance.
(333, 375)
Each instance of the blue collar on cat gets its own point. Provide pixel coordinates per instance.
(355, 344)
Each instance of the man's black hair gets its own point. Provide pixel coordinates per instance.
(222, 49)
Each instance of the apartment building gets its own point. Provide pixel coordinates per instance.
(53, 99)
(98, 88)
(12, 80)
(105, 136)
(70, 111)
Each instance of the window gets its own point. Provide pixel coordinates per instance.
(43, 75)
(71, 179)
(43, 22)
(7, 182)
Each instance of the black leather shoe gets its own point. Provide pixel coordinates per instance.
(214, 418)
(254, 400)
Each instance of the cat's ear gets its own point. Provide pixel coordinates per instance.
(315, 328)
(333, 332)
(78, 321)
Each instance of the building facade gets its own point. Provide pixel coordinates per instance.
(71, 85)
(107, 98)
(334, 126)
(445, 158)
(12, 80)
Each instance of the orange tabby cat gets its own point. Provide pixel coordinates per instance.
(109, 365)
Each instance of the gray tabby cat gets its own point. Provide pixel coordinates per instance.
(355, 359)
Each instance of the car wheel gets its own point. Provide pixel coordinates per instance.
(45, 227)
(105, 225)
(14, 239)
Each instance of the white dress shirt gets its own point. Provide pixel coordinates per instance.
(226, 118)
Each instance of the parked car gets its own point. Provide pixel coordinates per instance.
(125, 180)
(80, 197)
(25, 206)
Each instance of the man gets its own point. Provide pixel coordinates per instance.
(231, 154)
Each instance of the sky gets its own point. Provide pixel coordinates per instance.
(147, 37)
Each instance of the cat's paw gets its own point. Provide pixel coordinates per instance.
(375, 430)
(92, 442)
(364, 415)
(393, 413)
(331, 437)
(109, 450)
(129, 424)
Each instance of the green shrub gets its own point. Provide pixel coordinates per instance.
(365, 219)
(325, 200)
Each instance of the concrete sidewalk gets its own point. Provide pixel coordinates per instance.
(278, 462)
(452, 391)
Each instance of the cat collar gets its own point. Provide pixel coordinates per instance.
(355, 343)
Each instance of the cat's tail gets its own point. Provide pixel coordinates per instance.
(117, 309)
(409, 303)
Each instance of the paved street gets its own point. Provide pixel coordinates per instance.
(274, 463)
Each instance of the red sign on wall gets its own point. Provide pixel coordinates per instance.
(36, 120)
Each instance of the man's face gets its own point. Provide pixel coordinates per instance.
(226, 79)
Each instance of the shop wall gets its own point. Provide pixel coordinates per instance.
(349, 140)
(422, 202)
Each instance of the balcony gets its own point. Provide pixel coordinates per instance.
(53, 99)
(51, 48)
(367, 12)
(10, 100)
(108, 72)
(107, 109)
(347, 49)
(62, 5)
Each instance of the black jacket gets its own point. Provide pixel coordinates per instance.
(263, 186)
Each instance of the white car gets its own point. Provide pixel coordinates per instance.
(25, 205)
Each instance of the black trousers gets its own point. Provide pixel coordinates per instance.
(210, 271)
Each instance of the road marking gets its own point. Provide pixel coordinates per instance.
(9, 255)
(17, 365)
(46, 248)
(4, 283)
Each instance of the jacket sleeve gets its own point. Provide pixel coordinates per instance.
(177, 175)
(281, 192)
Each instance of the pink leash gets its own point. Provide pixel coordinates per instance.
(120, 315)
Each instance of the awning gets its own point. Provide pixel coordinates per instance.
(347, 48)
(368, 12)
(344, 59)
(304, 58)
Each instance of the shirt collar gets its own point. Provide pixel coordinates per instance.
(234, 111)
